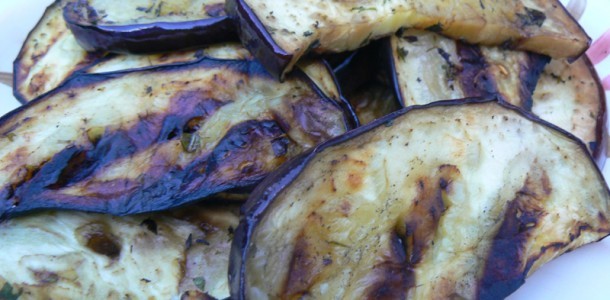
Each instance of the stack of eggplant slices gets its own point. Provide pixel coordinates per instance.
(261, 149)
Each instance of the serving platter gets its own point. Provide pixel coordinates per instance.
(582, 274)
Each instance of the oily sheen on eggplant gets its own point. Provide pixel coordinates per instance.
(279, 33)
(455, 199)
(138, 141)
(76, 255)
(146, 26)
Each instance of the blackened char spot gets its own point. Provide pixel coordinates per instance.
(394, 276)
(474, 77)
(413, 236)
(504, 269)
(529, 73)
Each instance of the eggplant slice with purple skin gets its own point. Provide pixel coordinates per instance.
(50, 55)
(147, 26)
(76, 255)
(279, 33)
(455, 199)
(148, 140)
(427, 67)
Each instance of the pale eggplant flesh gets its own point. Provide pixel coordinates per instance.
(147, 26)
(427, 67)
(148, 140)
(279, 33)
(77, 255)
(454, 199)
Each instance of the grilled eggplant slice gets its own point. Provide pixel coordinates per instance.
(372, 101)
(458, 199)
(139, 141)
(279, 33)
(571, 96)
(427, 67)
(75, 255)
(146, 26)
(49, 55)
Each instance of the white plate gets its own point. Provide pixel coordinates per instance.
(581, 274)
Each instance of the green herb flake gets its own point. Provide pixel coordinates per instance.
(190, 142)
(8, 293)
(199, 282)
(402, 53)
(362, 8)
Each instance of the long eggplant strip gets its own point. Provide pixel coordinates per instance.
(279, 33)
(131, 142)
(456, 199)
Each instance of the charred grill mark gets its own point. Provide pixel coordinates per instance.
(76, 164)
(303, 268)
(529, 74)
(475, 79)
(244, 155)
(505, 269)
(414, 235)
(395, 276)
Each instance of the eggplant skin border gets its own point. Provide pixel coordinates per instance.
(150, 37)
(264, 194)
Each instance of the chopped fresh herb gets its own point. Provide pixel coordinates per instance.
(402, 53)
(362, 8)
(307, 33)
(199, 282)
(7, 292)
(438, 27)
(190, 142)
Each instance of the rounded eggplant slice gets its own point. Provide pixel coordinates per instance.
(75, 255)
(427, 67)
(148, 140)
(146, 26)
(570, 95)
(455, 199)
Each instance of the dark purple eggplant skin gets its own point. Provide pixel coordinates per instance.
(151, 37)
(173, 190)
(256, 39)
(263, 195)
